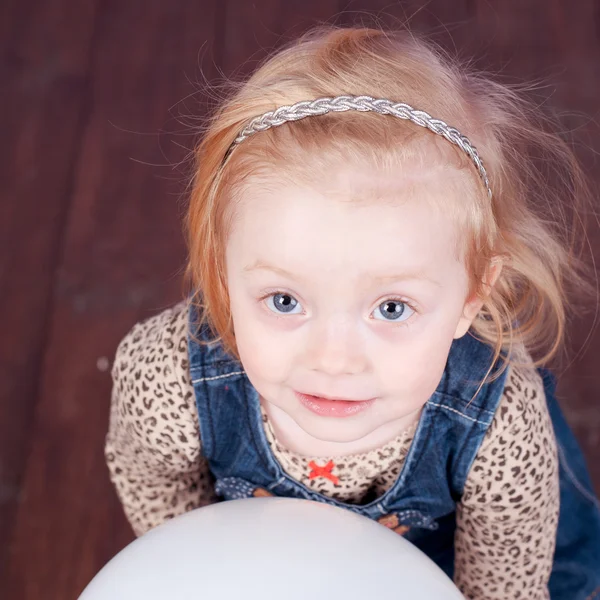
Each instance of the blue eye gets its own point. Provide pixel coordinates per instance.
(283, 302)
(394, 308)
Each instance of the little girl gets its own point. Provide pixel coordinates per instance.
(372, 261)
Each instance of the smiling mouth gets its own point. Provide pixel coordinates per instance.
(326, 407)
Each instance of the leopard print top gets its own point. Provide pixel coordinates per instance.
(506, 519)
(349, 478)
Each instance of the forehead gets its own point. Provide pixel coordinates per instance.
(355, 219)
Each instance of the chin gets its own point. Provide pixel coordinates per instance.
(340, 430)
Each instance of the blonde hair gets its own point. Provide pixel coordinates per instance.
(524, 224)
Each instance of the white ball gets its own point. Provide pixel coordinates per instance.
(271, 548)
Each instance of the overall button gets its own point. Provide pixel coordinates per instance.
(392, 522)
(261, 493)
(233, 488)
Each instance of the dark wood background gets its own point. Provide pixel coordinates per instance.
(96, 106)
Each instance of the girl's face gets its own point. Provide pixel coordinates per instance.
(354, 301)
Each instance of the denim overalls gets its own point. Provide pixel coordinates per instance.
(421, 504)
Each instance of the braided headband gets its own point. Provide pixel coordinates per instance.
(321, 106)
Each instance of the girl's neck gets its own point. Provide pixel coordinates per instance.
(290, 435)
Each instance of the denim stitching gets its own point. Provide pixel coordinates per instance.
(487, 424)
(465, 401)
(217, 377)
(211, 426)
(276, 483)
(208, 445)
(574, 479)
(264, 457)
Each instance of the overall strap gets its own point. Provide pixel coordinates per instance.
(228, 411)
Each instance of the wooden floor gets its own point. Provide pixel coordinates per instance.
(96, 110)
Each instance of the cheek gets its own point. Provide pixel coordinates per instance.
(416, 369)
(264, 347)
(264, 359)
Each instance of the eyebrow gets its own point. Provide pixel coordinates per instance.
(385, 279)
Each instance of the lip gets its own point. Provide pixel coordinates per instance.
(325, 407)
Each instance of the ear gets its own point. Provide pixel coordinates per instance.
(474, 305)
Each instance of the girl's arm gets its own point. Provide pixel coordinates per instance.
(153, 444)
(508, 515)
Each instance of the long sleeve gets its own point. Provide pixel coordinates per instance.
(508, 515)
(152, 447)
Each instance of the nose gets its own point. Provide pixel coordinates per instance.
(336, 346)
